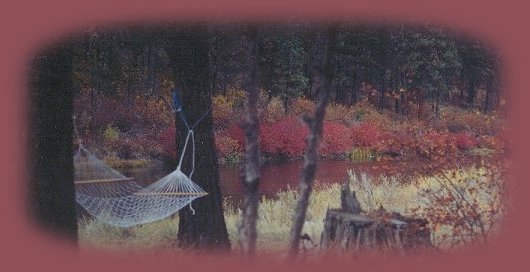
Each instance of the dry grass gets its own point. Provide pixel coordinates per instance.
(275, 215)
(151, 237)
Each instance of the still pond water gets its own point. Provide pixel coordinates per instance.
(276, 177)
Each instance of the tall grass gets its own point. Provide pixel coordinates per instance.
(275, 214)
(152, 237)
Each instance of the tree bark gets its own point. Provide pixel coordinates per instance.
(397, 110)
(247, 227)
(490, 89)
(382, 87)
(321, 71)
(355, 233)
(206, 229)
(348, 200)
(421, 102)
(471, 92)
(51, 193)
(437, 103)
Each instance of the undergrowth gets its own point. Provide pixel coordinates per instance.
(431, 197)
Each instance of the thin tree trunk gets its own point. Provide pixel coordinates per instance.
(471, 93)
(421, 102)
(357, 83)
(396, 104)
(437, 106)
(489, 91)
(206, 229)
(321, 71)
(247, 228)
(382, 97)
(51, 193)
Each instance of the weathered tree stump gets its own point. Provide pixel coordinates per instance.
(347, 229)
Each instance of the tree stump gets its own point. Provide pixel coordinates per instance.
(346, 229)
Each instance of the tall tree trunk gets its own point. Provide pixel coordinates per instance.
(382, 89)
(206, 229)
(421, 102)
(463, 81)
(321, 71)
(51, 192)
(437, 106)
(285, 100)
(357, 83)
(489, 92)
(247, 228)
(471, 92)
(396, 104)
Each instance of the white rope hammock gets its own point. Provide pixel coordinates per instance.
(117, 200)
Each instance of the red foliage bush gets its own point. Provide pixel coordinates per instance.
(287, 137)
(465, 141)
(167, 139)
(336, 139)
(394, 142)
(366, 135)
(427, 143)
(144, 126)
(435, 145)
(236, 133)
(491, 142)
(226, 145)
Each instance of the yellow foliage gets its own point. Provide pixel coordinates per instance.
(339, 113)
(366, 112)
(274, 110)
(302, 106)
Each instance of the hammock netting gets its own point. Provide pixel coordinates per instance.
(113, 198)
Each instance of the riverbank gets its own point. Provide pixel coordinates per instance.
(277, 177)
(360, 131)
(414, 197)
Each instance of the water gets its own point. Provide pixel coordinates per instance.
(276, 177)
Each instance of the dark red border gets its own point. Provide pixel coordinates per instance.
(26, 26)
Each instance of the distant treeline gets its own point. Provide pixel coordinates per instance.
(394, 65)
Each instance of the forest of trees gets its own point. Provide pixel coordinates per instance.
(408, 70)
(395, 59)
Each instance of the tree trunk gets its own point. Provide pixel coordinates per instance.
(421, 102)
(437, 106)
(206, 229)
(348, 200)
(350, 229)
(321, 71)
(51, 192)
(357, 85)
(396, 105)
(348, 232)
(285, 101)
(382, 98)
(403, 105)
(249, 217)
(471, 93)
(489, 91)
